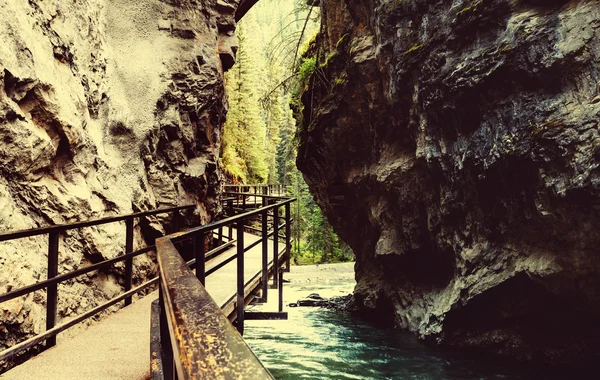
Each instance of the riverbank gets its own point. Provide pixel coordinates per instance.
(320, 273)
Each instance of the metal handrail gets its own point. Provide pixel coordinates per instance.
(278, 188)
(71, 226)
(196, 339)
(229, 220)
(257, 195)
(198, 263)
(197, 328)
(51, 284)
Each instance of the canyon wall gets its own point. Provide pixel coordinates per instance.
(455, 146)
(107, 107)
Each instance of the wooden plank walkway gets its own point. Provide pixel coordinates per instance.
(118, 347)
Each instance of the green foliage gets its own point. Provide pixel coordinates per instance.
(259, 137)
(243, 150)
(329, 58)
(343, 78)
(307, 69)
(341, 41)
(413, 49)
(469, 9)
(316, 241)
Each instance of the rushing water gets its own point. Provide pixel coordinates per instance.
(317, 343)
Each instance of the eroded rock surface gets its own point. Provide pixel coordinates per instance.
(107, 107)
(455, 146)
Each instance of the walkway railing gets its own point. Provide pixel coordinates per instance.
(54, 278)
(192, 338)
(196, 339)
(271, 189)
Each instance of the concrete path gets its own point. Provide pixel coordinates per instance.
(118, 347)
(115, 348)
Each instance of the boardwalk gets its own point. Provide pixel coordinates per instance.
(118, 347)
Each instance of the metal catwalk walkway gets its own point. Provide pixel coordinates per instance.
(118, 347)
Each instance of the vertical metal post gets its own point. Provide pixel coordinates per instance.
(199, 256)
(255, 202)
(230, 206)
(129, 261)
(244, 202)
(52, 292)
(220, 236)
(265, 256)
(275, 246)
(240, 277)
(165, 339)
(280, 292)
(288, 236)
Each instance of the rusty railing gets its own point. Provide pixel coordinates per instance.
(54, 278)
(191, 335)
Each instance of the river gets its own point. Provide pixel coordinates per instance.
(316, 343)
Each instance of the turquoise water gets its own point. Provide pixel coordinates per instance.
(316, 343)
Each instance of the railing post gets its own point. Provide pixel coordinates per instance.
(230, 206)
(165, 339)
(240, 277)
(275, 247)
(199, 256)
(280, 292)
(244, 202)
(129, 261)
(288, 236)
(265, 256)
(52, 292)
(220, 236)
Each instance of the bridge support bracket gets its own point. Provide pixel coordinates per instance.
(257, 315)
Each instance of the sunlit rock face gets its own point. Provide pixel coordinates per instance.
(455, 146)
(107, 107)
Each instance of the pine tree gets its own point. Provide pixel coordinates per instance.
(259, 142)
(244, 133)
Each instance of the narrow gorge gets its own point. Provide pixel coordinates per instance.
(454, 145)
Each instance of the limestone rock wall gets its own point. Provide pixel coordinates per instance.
(107, 107)
(455, 146)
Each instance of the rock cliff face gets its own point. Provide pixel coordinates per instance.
(107, 107)
(455, 146)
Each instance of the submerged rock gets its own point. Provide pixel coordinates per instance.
(313, 300)
(340, 303)
(455, 146)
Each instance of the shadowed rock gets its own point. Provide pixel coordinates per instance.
(455, 147)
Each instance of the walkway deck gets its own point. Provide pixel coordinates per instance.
(118, 347)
